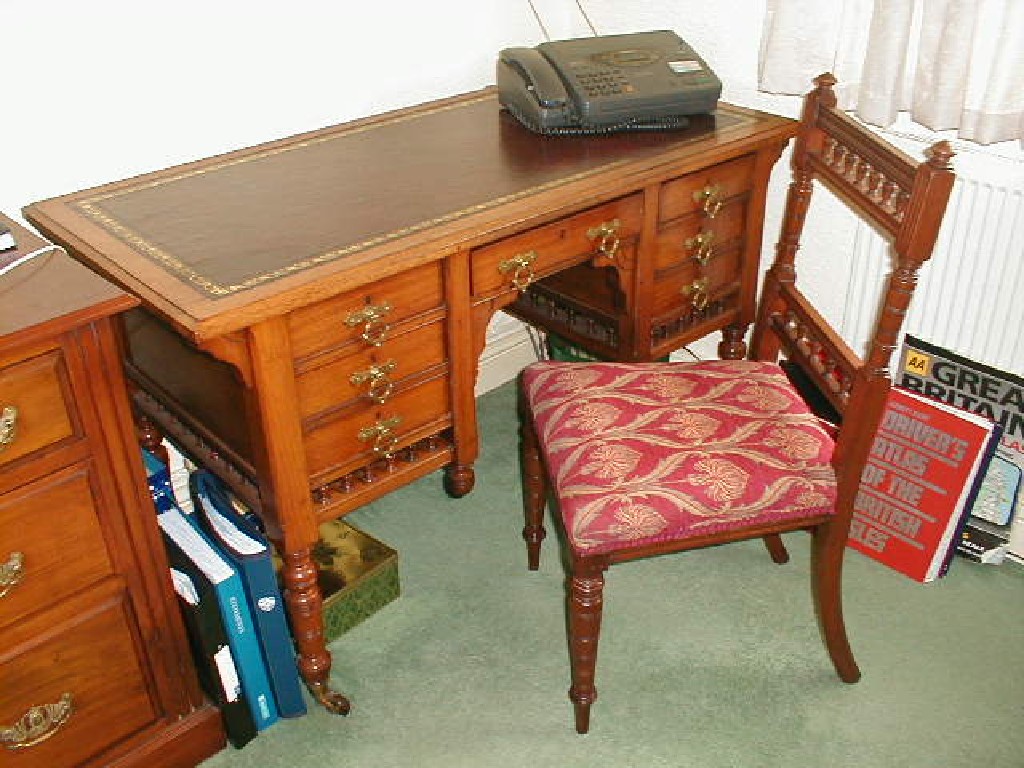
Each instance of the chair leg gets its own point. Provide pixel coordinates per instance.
(585, 602)
(534, 487)
(828, 548)
(776, 548)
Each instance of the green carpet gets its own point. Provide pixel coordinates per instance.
(707, 659)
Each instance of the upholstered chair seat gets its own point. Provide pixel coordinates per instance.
(643, 453)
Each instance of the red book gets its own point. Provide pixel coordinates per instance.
(921, 479)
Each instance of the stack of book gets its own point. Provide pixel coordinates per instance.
(223, 574)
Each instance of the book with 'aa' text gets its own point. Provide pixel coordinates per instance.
(923, 473)
(248, 550)
(996, 526)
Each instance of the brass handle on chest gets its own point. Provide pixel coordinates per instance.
(8, 426)
(11, 572)
(383, 436)
(521, 267)
(710, 199)
(371, 317)
(377, 380)
(606, 234)
(698, 293)
(703, 246)
(38, 724)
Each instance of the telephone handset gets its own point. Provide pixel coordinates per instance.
(640, 81)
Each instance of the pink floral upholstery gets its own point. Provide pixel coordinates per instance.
(649, 452)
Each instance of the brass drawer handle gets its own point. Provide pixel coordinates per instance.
(710, 199)
(371, 317)
(383, 436)
(703, 246)
(698, 293)
(606, 233)
(377, 380)
(8, 426)
(11, 572)
(521, 267)
(38, 724)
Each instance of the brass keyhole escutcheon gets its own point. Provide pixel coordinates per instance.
(521, 268)
(710, 199)
(606, 234)
(371, 317)
(697, 291)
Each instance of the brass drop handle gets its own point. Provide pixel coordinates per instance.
(521, 267)
(710, 199)
(703, 247)
(698, 293)
(377, 380)
(8, 426)
(371, 317)
(37, 724)
(382, 433)
(606, 234)
(11, 572)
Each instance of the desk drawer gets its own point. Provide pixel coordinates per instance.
(36, 406)
(90, 662)
(689, 287)
(704, 190)
(524, 258)
(345, 442)
(698, 238)
(51, 544)
(343, 319)
(372, 374)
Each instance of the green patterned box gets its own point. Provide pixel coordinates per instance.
(357, 576)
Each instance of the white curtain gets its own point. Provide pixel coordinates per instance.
(952, 65)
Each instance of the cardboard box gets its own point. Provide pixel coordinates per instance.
(357, 576)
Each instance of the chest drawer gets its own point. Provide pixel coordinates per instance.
(704, 191)
(365, 317)
(51, 544)
(370, 374)
(36, 406)
(68, 695)
(514, 262)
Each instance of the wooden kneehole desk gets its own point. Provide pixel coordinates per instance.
(314, 308)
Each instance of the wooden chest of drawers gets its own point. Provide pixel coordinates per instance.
(94, 669)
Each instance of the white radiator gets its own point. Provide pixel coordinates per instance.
(970, 295)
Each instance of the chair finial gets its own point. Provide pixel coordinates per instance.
(825, 82)
(939, 155)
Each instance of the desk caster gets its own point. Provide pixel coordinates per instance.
(333, 702)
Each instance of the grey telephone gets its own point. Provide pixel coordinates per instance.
(639, 81)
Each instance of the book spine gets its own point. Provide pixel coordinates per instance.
(275, 639)
(242, 639)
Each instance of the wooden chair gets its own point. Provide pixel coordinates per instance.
(649, 458)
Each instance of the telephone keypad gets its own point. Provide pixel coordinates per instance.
(603, 82)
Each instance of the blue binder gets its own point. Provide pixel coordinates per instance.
(209, 564)
(248, 550)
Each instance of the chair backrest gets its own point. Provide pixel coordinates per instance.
(905, 201)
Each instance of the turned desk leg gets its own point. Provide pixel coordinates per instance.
(305, 607)
(459, 479)
(732, 346)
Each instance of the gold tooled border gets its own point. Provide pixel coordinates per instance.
(90, 208)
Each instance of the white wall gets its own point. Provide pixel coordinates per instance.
(100, 90)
